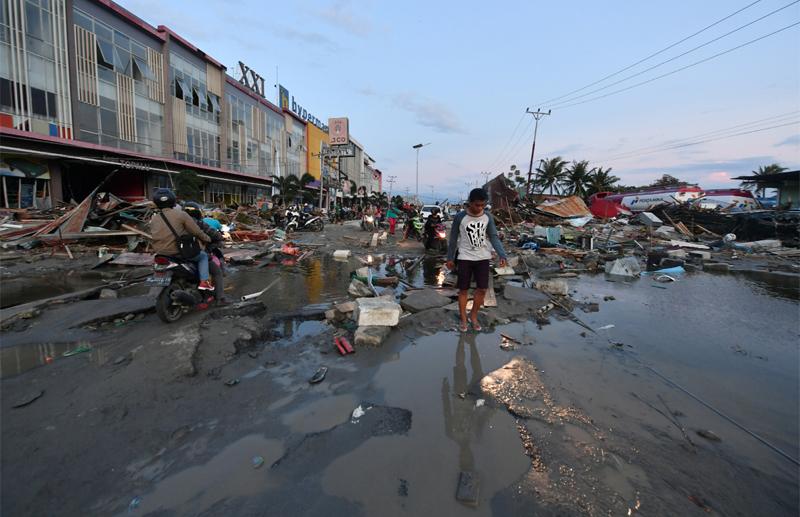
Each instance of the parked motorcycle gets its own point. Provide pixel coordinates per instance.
(178, 281)
(438, 241)
(301, 221)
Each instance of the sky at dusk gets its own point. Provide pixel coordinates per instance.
(461, 74)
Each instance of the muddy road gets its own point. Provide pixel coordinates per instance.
(215, 415)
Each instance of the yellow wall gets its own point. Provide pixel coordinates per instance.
(314, 137)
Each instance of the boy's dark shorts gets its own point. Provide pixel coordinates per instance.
(469, 269)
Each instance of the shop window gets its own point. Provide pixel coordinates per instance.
(105, 54)
(141, 71)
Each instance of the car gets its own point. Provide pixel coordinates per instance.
(426, 211)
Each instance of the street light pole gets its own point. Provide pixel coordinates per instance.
(538, 114)
(418, 147)
(391, 181)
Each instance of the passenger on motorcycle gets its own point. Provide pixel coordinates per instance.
(430, 226)
(216, 259)
(165, 241)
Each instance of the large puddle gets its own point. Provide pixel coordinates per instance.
(23, 289)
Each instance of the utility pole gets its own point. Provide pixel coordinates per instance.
(390, 180)
(433, 193)
(418, 147)
(538, 114)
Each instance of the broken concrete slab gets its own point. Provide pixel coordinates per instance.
(371, 335)
(627, 267)
(704, 255)
(555, 287)
(359, 289)
(504, 271)
(106, 294)
(424, 299)
(377, 312)
(525, 295)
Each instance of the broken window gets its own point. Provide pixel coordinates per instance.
(141, 71)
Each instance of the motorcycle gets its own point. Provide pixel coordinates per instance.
(438, 241)
(414, 228)
(178, 281)
(300, 221)
(368, 223)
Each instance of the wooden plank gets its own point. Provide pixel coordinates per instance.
(143, 234)
(133, 259)
(86, 235)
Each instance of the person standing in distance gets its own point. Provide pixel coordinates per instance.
(469, 249)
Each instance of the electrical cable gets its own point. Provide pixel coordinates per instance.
(493, 163)
(651, 55)
(566, 101)
(719, 54)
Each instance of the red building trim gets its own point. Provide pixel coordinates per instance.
(166, 30)
(239, 86)
(131, 18)
(8, 132)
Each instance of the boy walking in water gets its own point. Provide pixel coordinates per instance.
(472, 232)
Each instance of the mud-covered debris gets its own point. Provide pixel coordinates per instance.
(319, 375)
(231, 382)
(28, 398)
(708, 435)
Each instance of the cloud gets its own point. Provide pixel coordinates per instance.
(429, 113)
(718, 176)
(706, 173)
(309, 38)
(366, 91)
(793, 141)
(340, 15)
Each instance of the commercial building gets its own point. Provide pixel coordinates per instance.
(87, 88)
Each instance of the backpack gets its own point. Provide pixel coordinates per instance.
(188, 245)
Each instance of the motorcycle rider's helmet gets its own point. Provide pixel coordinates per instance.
(193, 209)
(435, 211)
(164, 198)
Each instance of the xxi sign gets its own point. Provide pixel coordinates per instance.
(251, 79)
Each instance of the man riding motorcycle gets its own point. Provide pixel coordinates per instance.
(430, 227)
(165, 239)
(216, 259)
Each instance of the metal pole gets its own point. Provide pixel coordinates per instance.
(538, 114)
(417, 194)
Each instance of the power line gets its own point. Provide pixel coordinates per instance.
(522, 139)
(689, 144)
(651, 55)
(556, 105)
(718, 132)
(503, 150)
(682, 68)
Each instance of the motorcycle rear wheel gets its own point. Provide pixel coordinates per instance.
(167, 310)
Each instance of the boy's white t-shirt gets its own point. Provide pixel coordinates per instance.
(473, 243)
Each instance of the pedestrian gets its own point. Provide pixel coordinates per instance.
(391, 215)
(469, 253)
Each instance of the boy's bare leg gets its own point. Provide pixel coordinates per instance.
(477, 303)
(463, 296)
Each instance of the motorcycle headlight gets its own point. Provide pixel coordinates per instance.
(441, 235)
(370, 219)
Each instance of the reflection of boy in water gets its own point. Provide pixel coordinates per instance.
(460, 417)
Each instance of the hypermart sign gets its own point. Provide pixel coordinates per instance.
(298, 110)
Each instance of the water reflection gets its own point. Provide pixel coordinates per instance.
(461, 416)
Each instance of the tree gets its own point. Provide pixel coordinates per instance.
(379, 198)
(762, 171)
(307, 194)
(397, 200)
(601, 180)
(668, 181)
(549, 174)
(188, 185)
(288, 185)
(577, 177)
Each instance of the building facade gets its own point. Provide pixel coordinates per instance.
(88, 89)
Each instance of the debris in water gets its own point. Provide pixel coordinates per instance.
(28, 398)
(134, 504)
(232, 382)
(402, 491)
(257, 462)
(81, 348)
(358, 413)
(606, 327)
(480, 402)
(467, 491)
(708, 435)
(319, 375)
(700, 502)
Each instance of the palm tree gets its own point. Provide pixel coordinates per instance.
(762, 171)
(379, 198)
(601, 180)
(550, 173)
(576, 178)
(288, 185)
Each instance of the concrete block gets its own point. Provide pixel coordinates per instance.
(371, 335)
(705, 255)
(341, 254)
(418, 301)
(108, 293)
(649, 219)
(677, 253)
(504, 271)
(377, 312)
(624, 267)
(556, 287)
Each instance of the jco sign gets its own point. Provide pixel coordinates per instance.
(339, 133)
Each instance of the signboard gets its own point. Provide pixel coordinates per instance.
(339, 131)
(340, 151)
(251, 79)
(298, 110)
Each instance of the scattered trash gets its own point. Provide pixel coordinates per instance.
(358, 413)
(665, 278)
(627, 267)
(256, 295)
(232, 382)
(480, 402)
(134, 504)
(606, 327)
(28, 398)
(319, 375)
(257, 462)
